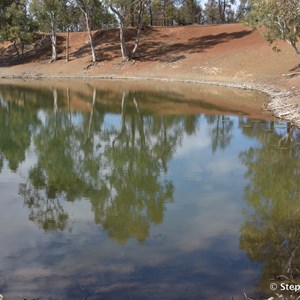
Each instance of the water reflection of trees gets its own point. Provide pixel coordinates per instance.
(117, 167)
(16, 127)
(220, 131)
(271, 232)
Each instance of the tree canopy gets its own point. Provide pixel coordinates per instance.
(19, 20)
(281, 18)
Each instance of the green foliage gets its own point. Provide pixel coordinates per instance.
(270, 234)
(46, 10)
(281, 18)
(71, 16)
(219, 11)
(4, 4)
(50, 16)
(97, 13)
(242, 10)
(212, 11)
(169, 12)
(101, 16)
(190, 12)
(17, 26)
(125, 10)
(15, 131)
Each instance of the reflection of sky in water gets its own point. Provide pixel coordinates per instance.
(112, 120)
(194, 253)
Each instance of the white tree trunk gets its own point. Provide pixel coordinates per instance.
(55, 108)
(121, 21)
(124, 49)
(67, 44)
(92, 111)
(293, 44)
(53, 37)
(87, 19)
(139, 27)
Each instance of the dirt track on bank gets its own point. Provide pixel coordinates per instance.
(230, 55)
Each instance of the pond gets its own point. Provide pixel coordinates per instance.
(125, 190)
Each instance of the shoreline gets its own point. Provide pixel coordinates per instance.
(280, 103)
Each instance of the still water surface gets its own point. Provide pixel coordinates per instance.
(124, 193)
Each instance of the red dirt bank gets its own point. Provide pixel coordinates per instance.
(230, 55)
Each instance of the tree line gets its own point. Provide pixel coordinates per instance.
(21, 19)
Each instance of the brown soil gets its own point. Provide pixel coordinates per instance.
(229, 55)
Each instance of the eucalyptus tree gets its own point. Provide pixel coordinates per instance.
(149, 12)
(140, 4)
(3, 6)
(168, 12)
(225, 10)
(219, 11)
(17, 25)
(242, 10)
(211, 11)
(69, 22)
(88, 7)
(281, 18)
(190, 12)
(49, 15)
(123, 11)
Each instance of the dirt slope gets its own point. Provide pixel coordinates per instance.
(223, 54)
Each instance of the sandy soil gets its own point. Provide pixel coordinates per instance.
(229, 55)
